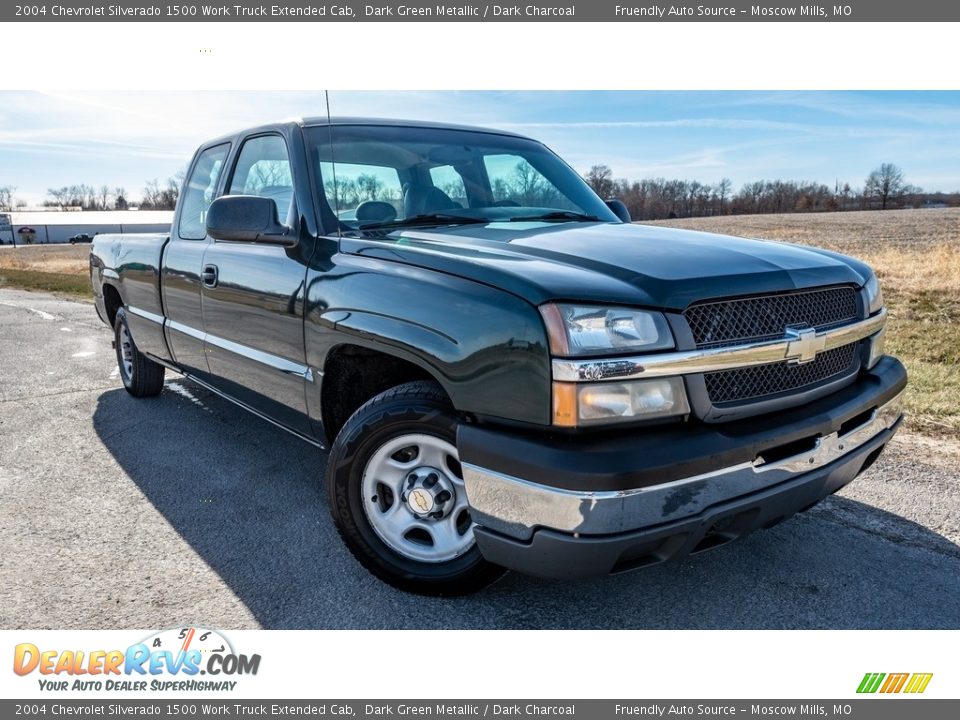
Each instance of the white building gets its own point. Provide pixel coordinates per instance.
(57, 227)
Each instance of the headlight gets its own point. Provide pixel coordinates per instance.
(589, 330)
(575, 405)
(874, 295)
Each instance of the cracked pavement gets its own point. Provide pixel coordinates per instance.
(125, 513)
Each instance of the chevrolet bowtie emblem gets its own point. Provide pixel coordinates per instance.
(803, 344)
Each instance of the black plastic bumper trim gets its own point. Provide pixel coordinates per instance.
(552, 554)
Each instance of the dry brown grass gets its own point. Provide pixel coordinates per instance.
(73, 259)
(854, 233)
(916, 254)
(60, 269)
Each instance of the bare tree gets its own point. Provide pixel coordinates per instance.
(152, 195)
(885, 183)
(530, 188)
(103, 197)
(724, 188)
(161, 197)
(263, 174)
(368, 187)
(600, 178)
(58, 196)
(6, 197)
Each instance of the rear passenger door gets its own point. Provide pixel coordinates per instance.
(253, 297)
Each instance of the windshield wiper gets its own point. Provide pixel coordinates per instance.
(558, 215)
(439, 218)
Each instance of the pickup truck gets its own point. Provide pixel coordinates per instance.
(507, 372)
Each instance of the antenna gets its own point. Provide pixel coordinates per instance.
(333, 162)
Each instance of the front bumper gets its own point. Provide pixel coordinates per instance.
(578, 507)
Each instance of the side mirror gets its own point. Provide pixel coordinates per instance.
(247, 218)
(620, 210)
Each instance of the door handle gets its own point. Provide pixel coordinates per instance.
(209, 276)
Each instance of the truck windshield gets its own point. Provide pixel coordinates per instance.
(377, 177)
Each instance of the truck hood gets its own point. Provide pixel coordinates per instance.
(642, 265)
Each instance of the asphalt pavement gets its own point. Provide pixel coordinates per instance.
(125, 513)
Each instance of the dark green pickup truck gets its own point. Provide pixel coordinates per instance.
(507, 372)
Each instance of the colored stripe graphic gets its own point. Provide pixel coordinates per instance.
(918, 682)
(870, 682)
(894, 683)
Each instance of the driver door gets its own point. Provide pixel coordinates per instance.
(253, 298)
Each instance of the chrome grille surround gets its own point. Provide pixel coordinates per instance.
(690, 362)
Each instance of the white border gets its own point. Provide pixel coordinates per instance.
(562, 56)
(465, 56)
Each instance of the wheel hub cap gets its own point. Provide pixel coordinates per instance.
(126, 351)
(429, 494)
(414, 498)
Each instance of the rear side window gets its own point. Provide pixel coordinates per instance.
(263, 169)
(199, 192)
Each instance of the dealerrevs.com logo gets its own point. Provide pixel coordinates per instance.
(173, 659)
(891, 683)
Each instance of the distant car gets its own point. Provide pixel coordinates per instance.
(80, 238)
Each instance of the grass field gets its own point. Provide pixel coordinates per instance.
(60, 269)
(916, 254)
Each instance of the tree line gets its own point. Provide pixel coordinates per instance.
(659, 198)
(155, 195)
(648, 199)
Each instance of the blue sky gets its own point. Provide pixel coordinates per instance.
(49, 139)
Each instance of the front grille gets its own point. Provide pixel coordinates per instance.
(759, 381)
(729, 322)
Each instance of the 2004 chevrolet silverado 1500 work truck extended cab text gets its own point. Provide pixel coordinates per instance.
(507, 372)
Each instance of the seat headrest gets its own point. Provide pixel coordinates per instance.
(418, 200)
(375, 211)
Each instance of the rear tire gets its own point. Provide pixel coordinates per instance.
(396, 494)
(142, 377)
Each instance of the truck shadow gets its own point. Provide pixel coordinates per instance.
(248, 498)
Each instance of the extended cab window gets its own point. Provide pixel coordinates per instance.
(263, 169)
(199, 192)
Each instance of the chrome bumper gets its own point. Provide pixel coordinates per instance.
(515, 507)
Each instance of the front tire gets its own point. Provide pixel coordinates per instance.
(142, 377)
(396, 494)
